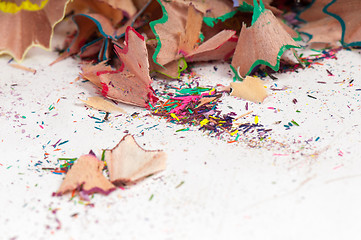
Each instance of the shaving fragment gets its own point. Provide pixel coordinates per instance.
(314, 11)
(21, 67)
(128, 162)
(243, 115)
(89, 25)
(131, 82)
(171, 29)
(347, 13)
(188, 40)
(103, 105)
(267, 5)
(177, 35)
(250, 88)
(28, 24)
(219, 47)
(310, 96)
(86, 176)
(180, 184)
(326, 30)
(211, 8)
(205, 100)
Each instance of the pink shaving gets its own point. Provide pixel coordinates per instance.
(185, 100)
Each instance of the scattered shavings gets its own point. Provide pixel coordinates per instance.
(250, 88)
(86, 176)
(320, 27)
(128, 162)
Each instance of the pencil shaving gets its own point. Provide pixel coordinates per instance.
(101, 104)
(86, 175)
(250, 88)
(128, 162)
(21, 67)
(254, 49)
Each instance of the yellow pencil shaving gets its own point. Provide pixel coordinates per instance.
(204, 122)
(174, 116)
(233, 133)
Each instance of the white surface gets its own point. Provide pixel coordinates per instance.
(305, 189)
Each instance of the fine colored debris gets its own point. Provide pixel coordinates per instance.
(128, 162)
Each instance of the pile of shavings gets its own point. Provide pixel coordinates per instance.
(181, 31)
(125, 42)
(177, 33)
